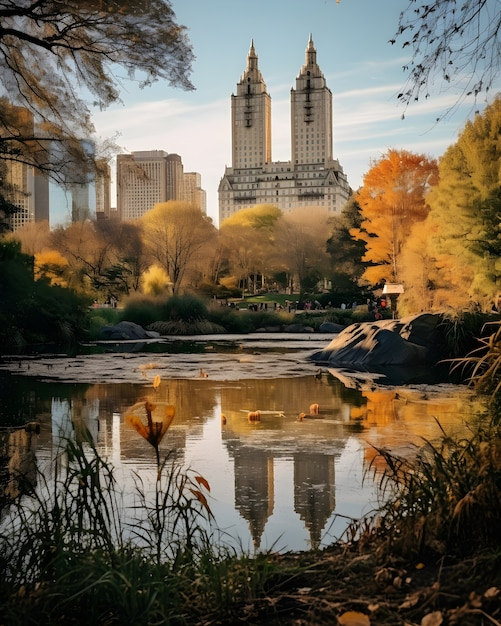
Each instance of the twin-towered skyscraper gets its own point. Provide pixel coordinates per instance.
(312, 178)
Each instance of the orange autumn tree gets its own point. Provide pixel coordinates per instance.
(392, 200)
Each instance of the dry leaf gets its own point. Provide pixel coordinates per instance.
(492, 592)
(432, 619)
(410, 601)
(353, 618)
(202, 499)
(202, 481)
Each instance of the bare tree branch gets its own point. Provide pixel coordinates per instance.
(454, 41)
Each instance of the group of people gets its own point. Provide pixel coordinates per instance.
(376, 306)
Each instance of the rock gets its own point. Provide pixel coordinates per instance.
(414, 340)
(124, 331)
(330, 327)
(298, 328)
(269, 329)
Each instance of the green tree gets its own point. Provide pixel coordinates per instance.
(57, 56)
(464, 222)
(392, 200)
(33, 311)
(345, 252)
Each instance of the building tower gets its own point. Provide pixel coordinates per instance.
(145, 178)
(251, 118)
(312, 179)
(193, 192)
(311, 114)
(174, 178)
(21, 179)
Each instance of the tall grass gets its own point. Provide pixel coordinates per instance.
(74, 550)
(447, 497)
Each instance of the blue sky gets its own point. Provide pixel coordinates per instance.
(363, 71)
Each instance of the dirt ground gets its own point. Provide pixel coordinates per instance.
(350, 586)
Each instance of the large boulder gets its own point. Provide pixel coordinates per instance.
(124, 331)
(410, 341)
(330, 327)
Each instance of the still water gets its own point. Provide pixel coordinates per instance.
(282, 483)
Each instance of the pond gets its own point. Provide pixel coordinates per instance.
(285, 482)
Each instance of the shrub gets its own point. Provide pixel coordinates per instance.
(143, 310)
(184, 308)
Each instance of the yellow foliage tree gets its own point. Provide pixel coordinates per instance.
(248, 238)
(392, 200)
(51, 265)
(464, 219)
(180, 239)
(155, 281)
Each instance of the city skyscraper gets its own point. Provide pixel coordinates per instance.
(145, 178)
(193, 192)
(312, 178)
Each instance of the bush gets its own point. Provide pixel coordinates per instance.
(143, 310)
(184, 308)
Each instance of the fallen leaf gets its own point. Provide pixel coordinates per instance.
(432, 619)
(492, 592)
(353, 618)
(410, 601)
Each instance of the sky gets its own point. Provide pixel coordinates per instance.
(362, 69)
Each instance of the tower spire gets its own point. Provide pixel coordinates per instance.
(252, 58)
(311, 54)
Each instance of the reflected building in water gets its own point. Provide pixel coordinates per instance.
(254, 489)
(314, 492)
(313, 476)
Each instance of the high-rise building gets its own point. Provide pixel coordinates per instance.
(312, 178)
(103, 190)
(80, 192)
(21, 179)
(27, 188)
(193, 192)
(145, 178)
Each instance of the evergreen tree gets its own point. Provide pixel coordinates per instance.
(345, 252)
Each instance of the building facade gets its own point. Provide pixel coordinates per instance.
(312, 178)
(193, 192)
(27, 187)
(145, 178)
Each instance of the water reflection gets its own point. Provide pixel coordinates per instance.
(280, 482)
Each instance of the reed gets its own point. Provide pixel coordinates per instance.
(73, 552)
(446, 498)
